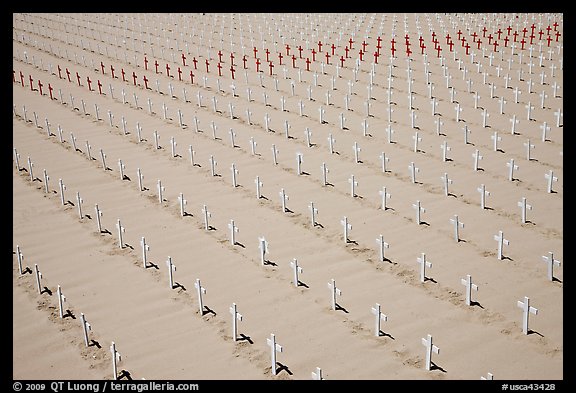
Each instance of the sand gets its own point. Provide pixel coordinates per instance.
(160, 331)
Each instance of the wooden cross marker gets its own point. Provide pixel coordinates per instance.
(236, 316)
(419, 210)
(160, 189)
(199, 291)
(171, 269)
(427, 342)
(469, 287)
(413, 171)
(423, 265)
(523, 206)
(121, 230)
(483, 194)
(544, 127)
(20, 257)
(274, 348)
(501, 242)
(457, 226)
(446, 181)
(79, 200)
(317, 375)
(299, 159)
(347, 227)
(390, 132)
(145, 249)
(233, 230)
(61, 300)
(379, 317)
(334, 291)
(275, 154)
(527, 310)
(496, 139)
(381, 246)
(263, 246)
(550, 176)
(353, 184)
(488, 377)
(116, 357)
(296, 271)
(234, 173)
(331, 141)
(38, 276)
(283, 199)
(511, 167)
(85, 327)
(444, 146)
(558, 114)
(62, 188)
(550, 262)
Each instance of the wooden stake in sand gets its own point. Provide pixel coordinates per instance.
(236, 316)
(85, 327)
(551, 262)
(419, 210)
(423, 265)
(483, 195)
(501, 242)
(116, 357)
(379, 317)
(61, 300)
(523, 206)
(296, 271)
(347, 227)
(200, 290)
(274, 348)
(427, 342)
(413, 171)
(334, 291)
(469, 287)
(527, 310)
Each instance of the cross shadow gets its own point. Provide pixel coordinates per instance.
(302, 284)
(488, 208)
(500, 150)
(88, 216)
(243, 337)
(186, 214)
(198, 165)
(384, 334)
(151, 264)
(211, 228)
(449, 159)
(282, 367)
(286, 210)
(129, 246)
(348, 241)
(340, 308)
(69, 203)
(178, 285)
(239, 244)
(208, 310)
(106, 231)
(68, 314)
(530, 331)
(28, 270)
(359, 162)
(474, 303)
(430, 279)
(94, 343)
(271, 263)
(390, 208)
(424, 223)
(217, 175)
(452, 195)
(124, 375)
(434, 366)
(329, 184)
(304, 173)
(317, 224)
(47, 290)
(263, 197)
(553, 278)
(506, 257)
(462, 240)
(125, 177)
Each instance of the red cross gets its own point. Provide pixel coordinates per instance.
(376, 54)
(146, 81)
(549, 39)
(287, 50)
(280, 57)
(207, 64)
(408, 51)
(438, 49)
(421, 40)
(333, 47)
(448, 38)
(232, 71)
(194, 61)
(506, 42)
(99, 88)
(495, 45)
(346, 50)
(460, 33)
(450, 44)
(220, 56)
(179, 74)
(59, 72)
(191, 77)
(499, 32)
(300, 50)
(40, 86)
(258, 65)
(78, 78)
(474, 37)
(509, 29)
(50, 88)
(219, 65)
(267, 54)
(89, 83)
(111, 71)
(313, 55)
(558, 35)
(327, 58)
(134, 77)
(467, 49)
(422, 47)
(548, 29)
(484, 30)
(350, 42)
(341, 61)
(364, 45)
(183, 60)
(255, 51)
(393, 50)
(490, 39)
(231, 59)
(555, 25)
(524, 31)
(407, 38)
(515, 35)
(271, 65)
(523, 42)
(156, 65)
(244, 61)
(102, 67)
(478, 42)
(167, 69)
(308, 64)
(22, 78)
(145, 63)
(361, 54)
(68, 74)
(294, 61)
(319, 46)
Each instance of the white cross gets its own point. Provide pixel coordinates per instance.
(512, 167)
(236, 316)
(416, 139)
(379, 317)
(283, 199)
(529, 108)
(485, 116)
(85, 327)
(550, 262)
(550, 176)
(501, 241)
(427, 342)
(445, 148)
(469, 287)
(274, 348)
(446, 181)
(233, 230)
(544, 127)
(171, 269)
(334, 291)
(357, 150)
(382, 245)
(423, 265)
(413, 171)
(317, 375)
(207, 214)
(200, 290)
(527, 310)
(489, 377)
(347, 227)
(389, 132)
(61, 300)
(457, 225)
(353, 184)
(116, 357)
(523, 206)
(496, 139)
(483, 194)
